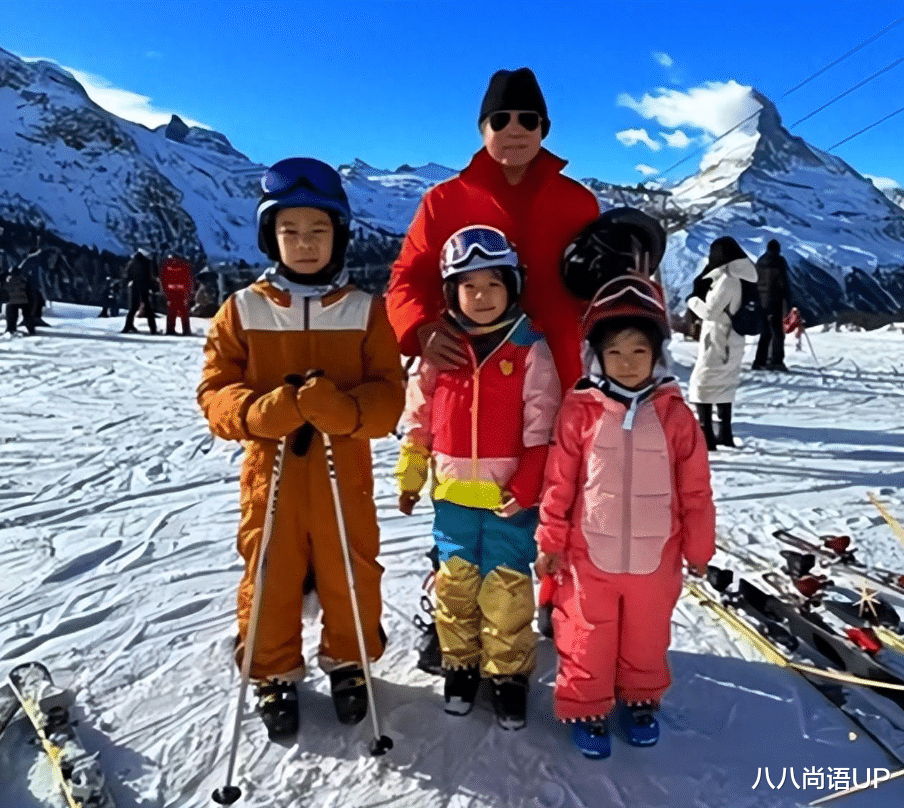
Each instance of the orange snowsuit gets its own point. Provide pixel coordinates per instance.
(260, 335)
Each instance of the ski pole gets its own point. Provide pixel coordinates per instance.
(229, 793)
(381, 743)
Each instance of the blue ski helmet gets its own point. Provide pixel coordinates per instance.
(303, 182)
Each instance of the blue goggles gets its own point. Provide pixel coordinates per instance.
(491, 245)
(293, 173)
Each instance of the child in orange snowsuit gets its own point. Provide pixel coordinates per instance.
(298, 353)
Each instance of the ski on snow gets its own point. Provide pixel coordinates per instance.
(727, 606)
(76, 772)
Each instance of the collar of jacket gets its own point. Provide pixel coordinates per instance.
(284, 299)
(603, 388)
(484, 171)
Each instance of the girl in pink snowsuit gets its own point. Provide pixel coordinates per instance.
(626, 499)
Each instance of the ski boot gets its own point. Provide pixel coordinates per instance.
(349, 693)
(592, 738)
(510, 700)
(277, 702)
(461, 690)
(640, 723)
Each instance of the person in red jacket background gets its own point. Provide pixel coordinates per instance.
(512, 184)
(178, 285)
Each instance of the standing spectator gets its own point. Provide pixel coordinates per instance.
(516, 186)
(717, 371)
(207, 297)
(177, 284)
(33, 267)
(17, 299)
(111, 298)
(775, 295)
(141, 277)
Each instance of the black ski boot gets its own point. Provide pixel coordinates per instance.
(461, 690)
(705, 416)
(726, 436)
(277, 702)
(510, 700)
(349, 693)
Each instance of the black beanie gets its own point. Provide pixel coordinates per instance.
(514, 89)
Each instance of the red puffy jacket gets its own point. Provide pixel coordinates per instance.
(540, 216)
(176, 279)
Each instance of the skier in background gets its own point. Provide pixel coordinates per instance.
(298, 353)
(775, 297)
(18, 300)
(111, 298)
(486, 484)
(626, 497)
(177, 284)
(142, 277)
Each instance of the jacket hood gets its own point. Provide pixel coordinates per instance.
(741, 268)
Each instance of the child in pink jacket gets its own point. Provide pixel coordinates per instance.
(626, 499)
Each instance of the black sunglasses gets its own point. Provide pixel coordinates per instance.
(529, 120)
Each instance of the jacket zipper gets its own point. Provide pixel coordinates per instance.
(307, 314)
(474, 396)
(626, 499)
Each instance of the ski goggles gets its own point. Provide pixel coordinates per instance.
(528, 120)
(484, 242)
(289, 175)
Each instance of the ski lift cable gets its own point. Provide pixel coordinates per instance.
(848, 91)
(865, 128)
(843, 57)
(796, 87)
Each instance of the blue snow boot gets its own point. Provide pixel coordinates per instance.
(592, 738)
(640, 723)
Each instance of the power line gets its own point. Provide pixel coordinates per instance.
(797, 87)
(845, 56)
(851, 137)
(848, 91)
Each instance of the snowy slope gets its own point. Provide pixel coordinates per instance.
(119, 569)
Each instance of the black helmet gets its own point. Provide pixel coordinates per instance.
(621, 240)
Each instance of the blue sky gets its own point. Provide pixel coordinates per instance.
(628, 84)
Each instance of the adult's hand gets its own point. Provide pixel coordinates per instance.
(441, 346)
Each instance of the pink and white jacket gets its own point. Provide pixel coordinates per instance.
(627, 491)
(485, 427)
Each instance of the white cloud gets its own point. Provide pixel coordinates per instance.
(714, 107)
(124, 103)
(647, 171)
(676, 139)
(883, 183)
(631, 137)
(663, 58)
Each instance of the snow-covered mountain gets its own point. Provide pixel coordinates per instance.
(843, 238)
(93, 179)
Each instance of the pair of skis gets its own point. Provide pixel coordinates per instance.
(780, 625)
(76, 772)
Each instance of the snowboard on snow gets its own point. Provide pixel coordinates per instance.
(75, 771)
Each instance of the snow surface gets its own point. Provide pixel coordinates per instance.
(117, 528)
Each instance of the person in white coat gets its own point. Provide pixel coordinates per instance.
(717, 371)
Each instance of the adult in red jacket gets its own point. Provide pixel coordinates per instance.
(178, 285)
(516, 186)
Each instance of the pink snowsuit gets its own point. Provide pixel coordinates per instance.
(627, 495)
